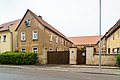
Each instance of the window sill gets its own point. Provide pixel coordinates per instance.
(35, 39)
(23, 40)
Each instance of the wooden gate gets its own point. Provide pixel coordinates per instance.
(58, 57)
(81, 57)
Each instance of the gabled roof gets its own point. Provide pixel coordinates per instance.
(44, 23)
(5, 26)
(84, 40)
(113, 29)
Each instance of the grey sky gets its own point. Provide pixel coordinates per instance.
(71, 17)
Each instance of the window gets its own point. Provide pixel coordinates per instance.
(23, 50)
(35, 50)
(118, 34)
(50, 36)
(50, 49)
(62, 41)
(35, 34)
(0, 38)
(28, 22)
(4, 38)
(118, 50)
(22, 36)
(114, 50)
(56, 39)
(108, 40)
(113, 37)
(109, 50)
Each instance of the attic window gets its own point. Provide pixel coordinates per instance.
(28, 22)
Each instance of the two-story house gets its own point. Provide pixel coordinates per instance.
(113, 39)
(36, 35)
(8, 35)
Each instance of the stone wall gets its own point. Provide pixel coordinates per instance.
(93, 59)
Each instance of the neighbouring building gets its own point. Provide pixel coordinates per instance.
(36, 35)
(82, 41)
(8, 36)
(111, 40)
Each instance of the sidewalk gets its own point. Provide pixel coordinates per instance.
(108, 70)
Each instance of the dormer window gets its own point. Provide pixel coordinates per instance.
(28, 22)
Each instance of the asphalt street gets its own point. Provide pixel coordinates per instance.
(32, 74)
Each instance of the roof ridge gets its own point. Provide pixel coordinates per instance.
(55, 30)
(10, 22)
(84, 36)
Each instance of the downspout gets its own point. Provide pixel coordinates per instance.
(11, 40)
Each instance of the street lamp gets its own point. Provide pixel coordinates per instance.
(100, 34)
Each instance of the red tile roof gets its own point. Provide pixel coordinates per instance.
(5, 26)
(84, 40)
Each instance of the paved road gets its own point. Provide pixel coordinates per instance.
(32, 74)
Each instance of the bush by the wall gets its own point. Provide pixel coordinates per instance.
(118, 60)
(19, 58)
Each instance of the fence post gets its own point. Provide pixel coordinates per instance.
(73, 55)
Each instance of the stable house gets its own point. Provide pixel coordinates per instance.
(8, 36)
(36, 35)
(82, 41)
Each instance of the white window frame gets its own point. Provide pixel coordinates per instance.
(23, 50)
(56, 39)
(28, 22)
(35, 35)
(4, 40)
(23, 35)
(35, 51)
(50, 36)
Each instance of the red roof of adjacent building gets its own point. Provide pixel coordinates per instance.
(5, 26)
(84, 40)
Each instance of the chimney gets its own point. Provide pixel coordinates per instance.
(40, 16)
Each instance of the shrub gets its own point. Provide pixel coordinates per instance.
(19, 58)
(118, 60)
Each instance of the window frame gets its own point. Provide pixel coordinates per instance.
(4, 40)
(113, 36)
(23, 50)
(23, 36)
(0, 38)
(28, 22)
(50, 36)
(34, 51)
(56, 39)
(118, 34)
(34, 34)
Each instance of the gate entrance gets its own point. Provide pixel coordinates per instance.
(58, 57)
(81, 57)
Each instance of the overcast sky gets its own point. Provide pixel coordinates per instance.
(71, 17)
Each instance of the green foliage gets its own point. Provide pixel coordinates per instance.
(118, 60)
(18, 58)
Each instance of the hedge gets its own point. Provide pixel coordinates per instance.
(118, 60)
(18, 58)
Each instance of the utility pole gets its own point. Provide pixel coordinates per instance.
(100, 34)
